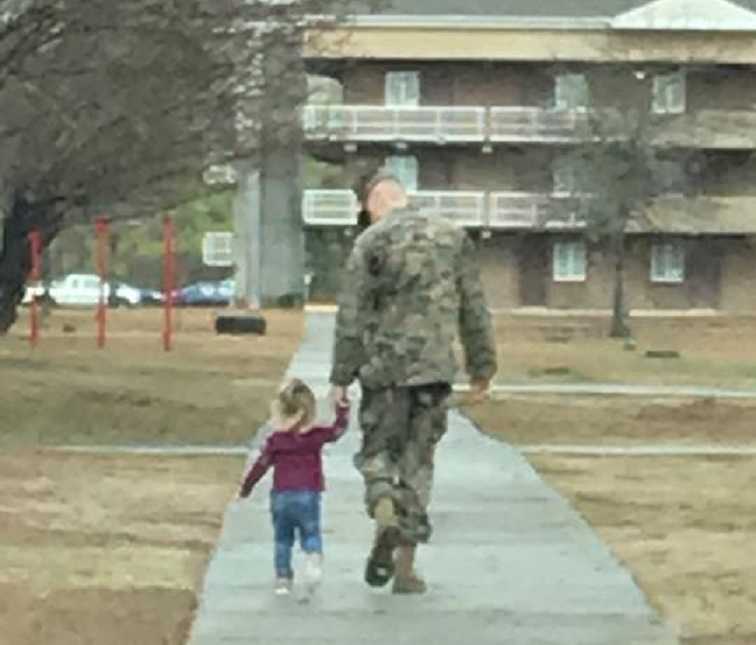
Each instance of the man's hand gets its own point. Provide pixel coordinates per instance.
(479, 390)
(340, 394)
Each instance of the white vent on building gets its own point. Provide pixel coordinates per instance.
(706, 15)
(218, 249)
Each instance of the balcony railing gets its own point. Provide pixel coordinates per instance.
(465, 208)
(355, 123)
(529, 123)
(329, 207)
(387, 123)
(469, 209)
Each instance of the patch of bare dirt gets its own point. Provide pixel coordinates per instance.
(616, 420)
(209, 389)
(684, 526)
(104, 549)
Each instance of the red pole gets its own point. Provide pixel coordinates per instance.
(35, 244)
(101, 232)
(169, 277)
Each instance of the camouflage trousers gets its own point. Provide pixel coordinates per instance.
(401, 427)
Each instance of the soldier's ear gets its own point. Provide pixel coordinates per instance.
(363, 219)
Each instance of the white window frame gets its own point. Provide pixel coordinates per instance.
(573, 254)
(218, 249)
(402, 89)
(670, 93)
(571, 92)
(667, 262)
(407, 170)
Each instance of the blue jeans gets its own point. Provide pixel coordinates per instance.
(295, 511)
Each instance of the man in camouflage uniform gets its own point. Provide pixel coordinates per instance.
(411, 284)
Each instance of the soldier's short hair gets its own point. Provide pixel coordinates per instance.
(365, 184)
(363, 187)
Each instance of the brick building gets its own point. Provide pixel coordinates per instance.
(476, 104)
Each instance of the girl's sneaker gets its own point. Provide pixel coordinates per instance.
(283, 586)
(313, 571)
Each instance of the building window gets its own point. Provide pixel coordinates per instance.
(406, 169)
(669, 93)
(667, 262)
(571, 92)
(570, 261)
(403, 89)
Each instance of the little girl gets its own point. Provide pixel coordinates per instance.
(294, 450)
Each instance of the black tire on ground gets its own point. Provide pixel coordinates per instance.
(241, 324)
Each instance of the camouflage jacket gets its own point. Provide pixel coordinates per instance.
(410, 285)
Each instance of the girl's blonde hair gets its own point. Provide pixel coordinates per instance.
(296, 397)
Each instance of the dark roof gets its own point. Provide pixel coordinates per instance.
(517, 8)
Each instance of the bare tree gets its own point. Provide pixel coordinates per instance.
(617, 171)
(120, 107)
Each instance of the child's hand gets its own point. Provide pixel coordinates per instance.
(340, 395)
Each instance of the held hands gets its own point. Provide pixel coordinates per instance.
(340, 396)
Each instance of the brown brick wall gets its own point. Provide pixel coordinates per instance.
(617, 86)
(593, 293)
(729, 173)
(364, 84)
(503, 256)
(739, 276)
(532, 84)
(454, 83)
(518, 169)
(499, 271)
(501, 84)
(720, 274)
(722, 89)
(467, 168)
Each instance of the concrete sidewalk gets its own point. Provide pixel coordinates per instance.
(510, 561)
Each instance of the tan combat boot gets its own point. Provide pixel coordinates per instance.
(406, 579)
(380, 565)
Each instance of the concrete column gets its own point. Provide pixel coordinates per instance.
(282, 246)
(281, 229)
(247, 256)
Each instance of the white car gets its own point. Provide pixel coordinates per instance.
(82, 289)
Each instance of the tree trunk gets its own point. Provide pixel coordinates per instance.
(619, 328)
(15, 254)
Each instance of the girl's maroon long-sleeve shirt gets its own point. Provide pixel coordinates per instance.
(296, 457)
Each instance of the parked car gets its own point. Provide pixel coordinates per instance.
(206, 293)
(152, 297)
(83, 289)
(125, 295)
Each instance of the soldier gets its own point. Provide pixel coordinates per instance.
(411, 283)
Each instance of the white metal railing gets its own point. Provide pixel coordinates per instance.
(528, 123)
(389, 123)
(329, 207)
(465, 208)
(515, 209)
(564, 211)
(470, 209)
(518, 210)
(512, 124)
